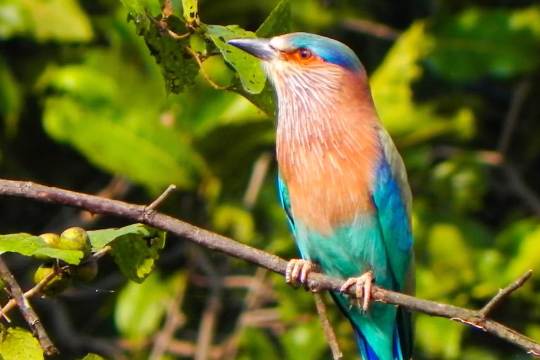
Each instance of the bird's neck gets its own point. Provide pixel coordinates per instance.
(327, 150)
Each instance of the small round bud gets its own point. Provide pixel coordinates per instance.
(56, 285)
(51, 239)
(86, 272)
(74, 238)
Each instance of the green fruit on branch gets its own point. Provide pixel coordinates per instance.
(56, 285)
(86, 272)
(51, 239)
(74, 238)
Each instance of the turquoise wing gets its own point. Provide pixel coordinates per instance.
(392, 199)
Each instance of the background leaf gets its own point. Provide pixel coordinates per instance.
(17, 343)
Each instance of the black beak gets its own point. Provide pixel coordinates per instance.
(259, 48)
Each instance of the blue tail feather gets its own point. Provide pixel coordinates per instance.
(365, 350)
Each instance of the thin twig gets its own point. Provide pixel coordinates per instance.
(251, 302)
(327, 327)
(213, 306)
(258, 174)
(512, 116)
(504, 293)
(154, 205)
(174, 320)
(258, 257)
(26, 310)
(36, 290)
(372, 28)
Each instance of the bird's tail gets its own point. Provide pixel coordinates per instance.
(367, 351)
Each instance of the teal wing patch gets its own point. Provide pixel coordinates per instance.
(286, 203)
(392, 199)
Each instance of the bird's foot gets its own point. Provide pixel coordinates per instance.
(298, 270)
(362, 286)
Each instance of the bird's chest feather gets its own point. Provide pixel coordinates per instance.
(329, 173)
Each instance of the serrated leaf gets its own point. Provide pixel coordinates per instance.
(30, 245)
(135, 255)
(101, 238)
(17, 343)
(278, 22)
(178, 67)
(248, 67)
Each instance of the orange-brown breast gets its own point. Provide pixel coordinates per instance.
(328, 162)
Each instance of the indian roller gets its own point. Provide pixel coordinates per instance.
(341, 182)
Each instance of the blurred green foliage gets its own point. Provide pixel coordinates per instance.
(97, 90)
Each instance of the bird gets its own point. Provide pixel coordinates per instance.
(342, 183)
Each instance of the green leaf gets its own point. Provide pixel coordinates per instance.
(92, 357)
(255, 344)
(156, 164)
(278, 22)
(178, 67)
(305, 341)
(10, 97)
(191, 11)
(101, 238)
(140, 307)
(136, 252)
(248, 67)
(465, 49)
(60, 20)
(526, 257)
(17, 343)
(392, 92)
(440, 338)
(30, 245)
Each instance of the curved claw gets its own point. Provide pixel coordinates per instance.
(362, 288)
(298, 271)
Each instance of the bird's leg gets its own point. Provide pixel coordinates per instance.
(362, 287)
(298, 271)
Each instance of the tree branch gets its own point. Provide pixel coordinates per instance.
(258, 257)
(26, 310)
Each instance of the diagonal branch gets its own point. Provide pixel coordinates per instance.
(258, 257)
(26, 310)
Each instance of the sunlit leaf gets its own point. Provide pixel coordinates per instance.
(30, 245)
(17, 343)
(278, 22)
(440, 338)
(393, 94)
(481, 42)
(92, 357)
(101, 238)
(191, 11)
(249, 69)
(136, 255)
(61, 20)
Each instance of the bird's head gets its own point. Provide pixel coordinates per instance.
(301, 50)
(304, 64)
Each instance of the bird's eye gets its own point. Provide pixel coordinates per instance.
(304, 53)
